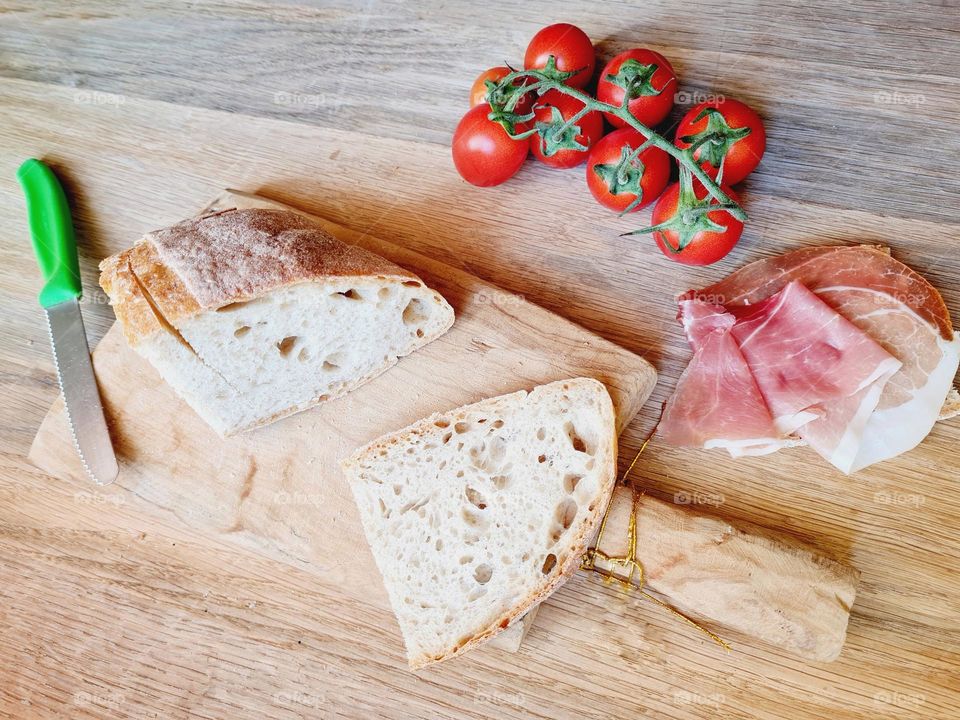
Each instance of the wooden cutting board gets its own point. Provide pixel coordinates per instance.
(278, 490)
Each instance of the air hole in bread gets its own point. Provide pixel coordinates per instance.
(384, 292)
(541, 434)
(438, 545)
(461, 427)
(549, 562)
(303, 355)
(570, 482)
(498, 424)
(542, 459)
(351, 294)
(419, 332)
(473, 519)
(383, 508)
(466, 559)
(483, 573)
(230, 307)
(285, 346)
(415, 313)
(446, 437)
(500, 482)
(411, 283)
(241, 331)
(566, 512)
(442, 423)
(476, 498)
(329, 366)
(580, 443)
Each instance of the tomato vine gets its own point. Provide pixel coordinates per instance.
(504, 96)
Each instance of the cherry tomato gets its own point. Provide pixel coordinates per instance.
(483, 153)
(614, 181)
(590, 126)
(651, 80)
(478, 92)
(739, 154)
(705, 247)
(569, 45)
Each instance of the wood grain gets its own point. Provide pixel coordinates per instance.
(151, 620)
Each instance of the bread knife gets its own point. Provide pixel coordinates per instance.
(56, 249)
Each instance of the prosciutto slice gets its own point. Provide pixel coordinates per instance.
(892, 304)
(717, 403)
(787, 364)
(820, 375)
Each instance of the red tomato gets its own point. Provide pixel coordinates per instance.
(616, 187)
(590, 125)
(569, 45)
(483, 152)
(652, 82)
(478, 92)
(739, 156)
(705, 247)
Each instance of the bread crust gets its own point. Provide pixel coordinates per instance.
(223, 258)
(578, 546)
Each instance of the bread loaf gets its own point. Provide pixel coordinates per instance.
(251, 315)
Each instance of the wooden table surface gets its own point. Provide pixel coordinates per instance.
(147, 110)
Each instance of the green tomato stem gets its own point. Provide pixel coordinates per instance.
(684, 157)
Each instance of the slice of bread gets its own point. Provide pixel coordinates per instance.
(251, 315)
(477, 514)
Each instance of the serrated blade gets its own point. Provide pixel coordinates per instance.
(71, 356)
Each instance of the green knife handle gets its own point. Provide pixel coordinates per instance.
(52, 231)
